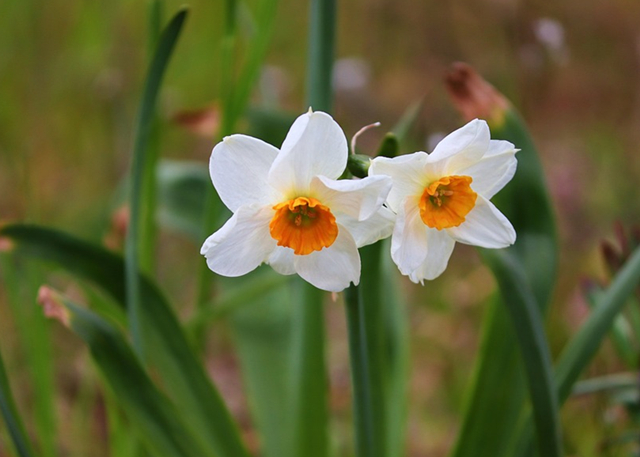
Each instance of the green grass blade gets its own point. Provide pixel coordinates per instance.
(33, 331)
(308, 383)
(143, 165)
(183, 376)
(12, 418)
(529, 328)
(621, 331)
(258, 46)
(151, 414)
(582, 347)
(606, 383)
(499, 386)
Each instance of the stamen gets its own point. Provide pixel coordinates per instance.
(304, 225)
(446, 202)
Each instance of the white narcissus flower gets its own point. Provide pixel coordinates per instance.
(289, 209)
(443, 197)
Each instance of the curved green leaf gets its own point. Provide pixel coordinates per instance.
(140, 232)
(151, 414)
(529, 328)
(12, 418)
(183, 376)
(499, 386)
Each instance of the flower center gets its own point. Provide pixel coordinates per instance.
(446, 202)
(304, 225)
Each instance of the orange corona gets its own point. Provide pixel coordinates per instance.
(304, 225)
(446, 202)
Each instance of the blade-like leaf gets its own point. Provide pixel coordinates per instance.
(582, 347)
(142, 181)
(151, 414)
(529, 328)
(12, 418)
(20, 285)
(183, 376)
(498, 388)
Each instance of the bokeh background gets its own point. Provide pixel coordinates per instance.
(70, 79)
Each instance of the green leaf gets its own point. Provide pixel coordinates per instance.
(582, 347)
(20, 286)
(12, 418)
(498, 388)
(151, 414)
(181, 185)
(529, 329)
(183, 376)
(143, 171)
(262, 333)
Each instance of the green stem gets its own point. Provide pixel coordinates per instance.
(11, 417)
(213, 205)
(363, 398)
(322, 31)
(309, 411)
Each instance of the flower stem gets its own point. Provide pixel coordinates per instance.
(366, 408)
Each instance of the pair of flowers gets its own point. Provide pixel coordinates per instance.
(291, 212)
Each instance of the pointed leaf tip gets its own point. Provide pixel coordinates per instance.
(473, 96)
(52, 305)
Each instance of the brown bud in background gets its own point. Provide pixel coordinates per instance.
(52, 305)
(204, 122)
(473, 96)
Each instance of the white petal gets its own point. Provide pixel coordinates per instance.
(332, 268)
(358, 198)
(461, 148)
(409, 239)
(439, 248)
(494, 170)
(242, 244)
(407, 175)
(485, 226)
(377, 227)
(314, 146)
(239, 168)
(281, 260)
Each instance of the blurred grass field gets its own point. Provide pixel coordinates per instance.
(70, 79)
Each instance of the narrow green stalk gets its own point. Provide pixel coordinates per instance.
(367, 432)
(309, 411)
(140, 162)
(213, 205)
(322, 31)
(148, 226)
(11, 417)
(581, 349)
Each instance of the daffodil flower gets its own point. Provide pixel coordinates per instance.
(290, 211)
(443, 197)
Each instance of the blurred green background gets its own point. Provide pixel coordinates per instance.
(70, 79)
